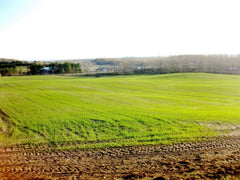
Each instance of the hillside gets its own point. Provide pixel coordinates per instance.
(117, 111)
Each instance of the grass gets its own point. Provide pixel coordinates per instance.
(117, 110)
(23, 69)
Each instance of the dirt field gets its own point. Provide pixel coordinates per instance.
(206, 160)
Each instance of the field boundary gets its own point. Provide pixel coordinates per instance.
(78, 145)
(197, 160)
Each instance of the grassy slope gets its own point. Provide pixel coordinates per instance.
(120, 110)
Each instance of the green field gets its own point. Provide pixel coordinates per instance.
(117, 110)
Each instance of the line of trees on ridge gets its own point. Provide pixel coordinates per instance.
(224, 64)
(55, 68)
(10, 67)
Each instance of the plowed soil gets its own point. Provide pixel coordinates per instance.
(200, 160)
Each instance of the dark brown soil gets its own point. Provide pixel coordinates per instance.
(201, 160)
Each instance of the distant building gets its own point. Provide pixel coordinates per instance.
(46, 70)
(102, 69)
(139, 67)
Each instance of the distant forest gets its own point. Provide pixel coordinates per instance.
(12, 67)
(224, 64)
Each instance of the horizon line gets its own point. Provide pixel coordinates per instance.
(120, 57)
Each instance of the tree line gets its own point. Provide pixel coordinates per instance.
(55, 68)
(12, 67)
(15, 67)
(225, 64)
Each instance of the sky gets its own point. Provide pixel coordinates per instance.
(79, 29)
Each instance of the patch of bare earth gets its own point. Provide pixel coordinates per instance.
(4, 124)
(224, 129)
(200, 160)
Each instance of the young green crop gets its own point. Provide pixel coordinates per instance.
(117, 110)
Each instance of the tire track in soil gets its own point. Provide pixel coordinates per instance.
(198, 160)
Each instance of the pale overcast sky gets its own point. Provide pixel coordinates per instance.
(66, 29)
